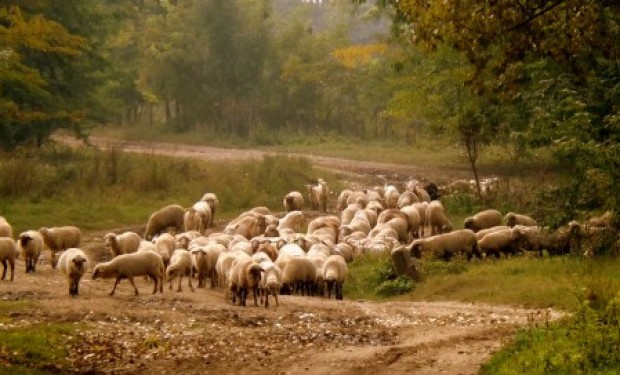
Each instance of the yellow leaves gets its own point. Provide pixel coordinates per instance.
(356, 56)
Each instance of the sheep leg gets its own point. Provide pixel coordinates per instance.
(136, 289)
(12, 264)
(275, 295)
(254, 292)
(266, 293)
(4, 269)
(189, 281)
(179, 283)
(118, 279)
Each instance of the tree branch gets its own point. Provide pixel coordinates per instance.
(536, 15)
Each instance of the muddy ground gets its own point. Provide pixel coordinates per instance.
(202, 332)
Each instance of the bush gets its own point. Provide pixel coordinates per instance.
(372, 276)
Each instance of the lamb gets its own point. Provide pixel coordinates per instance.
(30, 244)
(124, 243)
(245, 276)
(334, 273)
(165, 246)
(8, 253)
(437, 219)
(445, 246)
(60, 238)
(5, 228)
(271, 282)
(293, 201)
(293, 220)
(213, 202)
(205, 260)
(513, 219)
(197, 217)
(73, 263)
(504, 241)
(180, 265)
(160, 220)
(484, 219)
(127, 266)
(299, 275)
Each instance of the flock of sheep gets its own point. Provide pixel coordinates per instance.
(261, 253)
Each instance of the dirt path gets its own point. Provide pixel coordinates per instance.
(198, 332)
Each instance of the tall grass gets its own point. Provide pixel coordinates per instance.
(100, 190)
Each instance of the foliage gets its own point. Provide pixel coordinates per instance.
(372, 276)
(586, 342)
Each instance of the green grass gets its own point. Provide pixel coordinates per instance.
(102, 190)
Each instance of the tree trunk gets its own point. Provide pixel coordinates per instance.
(472, 154)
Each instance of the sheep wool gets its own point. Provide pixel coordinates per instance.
(8, 253)
(334, 273)
(180, 265)
(127, 266)
(73, 263)
(30, 245)
(60, 238)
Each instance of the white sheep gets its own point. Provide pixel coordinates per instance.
(180, 265)
(414, 222)
(293, 201)
(224, 266)
(481, 233)
(59, 239)
(165, 244)
(294, 220)
(407, 198)
(391, 196)
(299, 274)
(484, 219)
(358, 197)
(445, 246)
(73, 263)
(271, 282)
(437, 218)
(245, 275)
(30, 245)
(127, 266)
(421, 207)
(123, 243)
(197, 217)
(5, 228)
(213, 202)
(248, 226)
(162, 219)
(342, 199)
(513, 219)
(422, 194)
(318, 194)
(504, 241)
(205, 260)
(182, 240)
(8, 253)
(334, 274)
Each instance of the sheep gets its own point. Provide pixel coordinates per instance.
(334, 273)
(5, 228)
(342, 199)
(299, 274)
(293, 220)
(562, 241)
(213, 202)
(124, 243)
(317, 195)
(481, 233)
(414, 222)
(245, 275)
(267, 248)
(30, 244)
(160, 220)
(422, 194)
(8, 253)
(73, 263)
(432, 190)
(532, 238)
(293, 201)
(224, 266)
(346, 250)
(197, 217)
(271, 282)
(182, 240)
(421, 207)
(60, 238)
(445, 246)
(391, 196)
(127, 266)
(247, 226)
(513, 219)
(484, 219)
(396, 219)
(205, 261)
(317, 255)
(358, 197)
(180, 265)
(407, 198)
(504, 241)
(437, 219)
(165, 245)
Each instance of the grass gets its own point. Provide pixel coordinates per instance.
(102, 190)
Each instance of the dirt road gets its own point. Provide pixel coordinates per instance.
(198, 332)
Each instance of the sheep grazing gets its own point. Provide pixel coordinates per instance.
(127, 266)
(484, 219)
(248, 226)
(334, 273)
(160, 220)
(504, 241)
(481, 233)
(123, 243)
(165, 246)
(73, 263)
(30, 245)
(8, 253)
(245, 275)
(437, 219)
(293, 201)
(60, 238)
(197, 217)
(407, 198)
(317, 195)
(513, 219)
(5, 228)
(213, 202)
(180, 265)
(271, 282)
(391, 195)
(445, 246)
